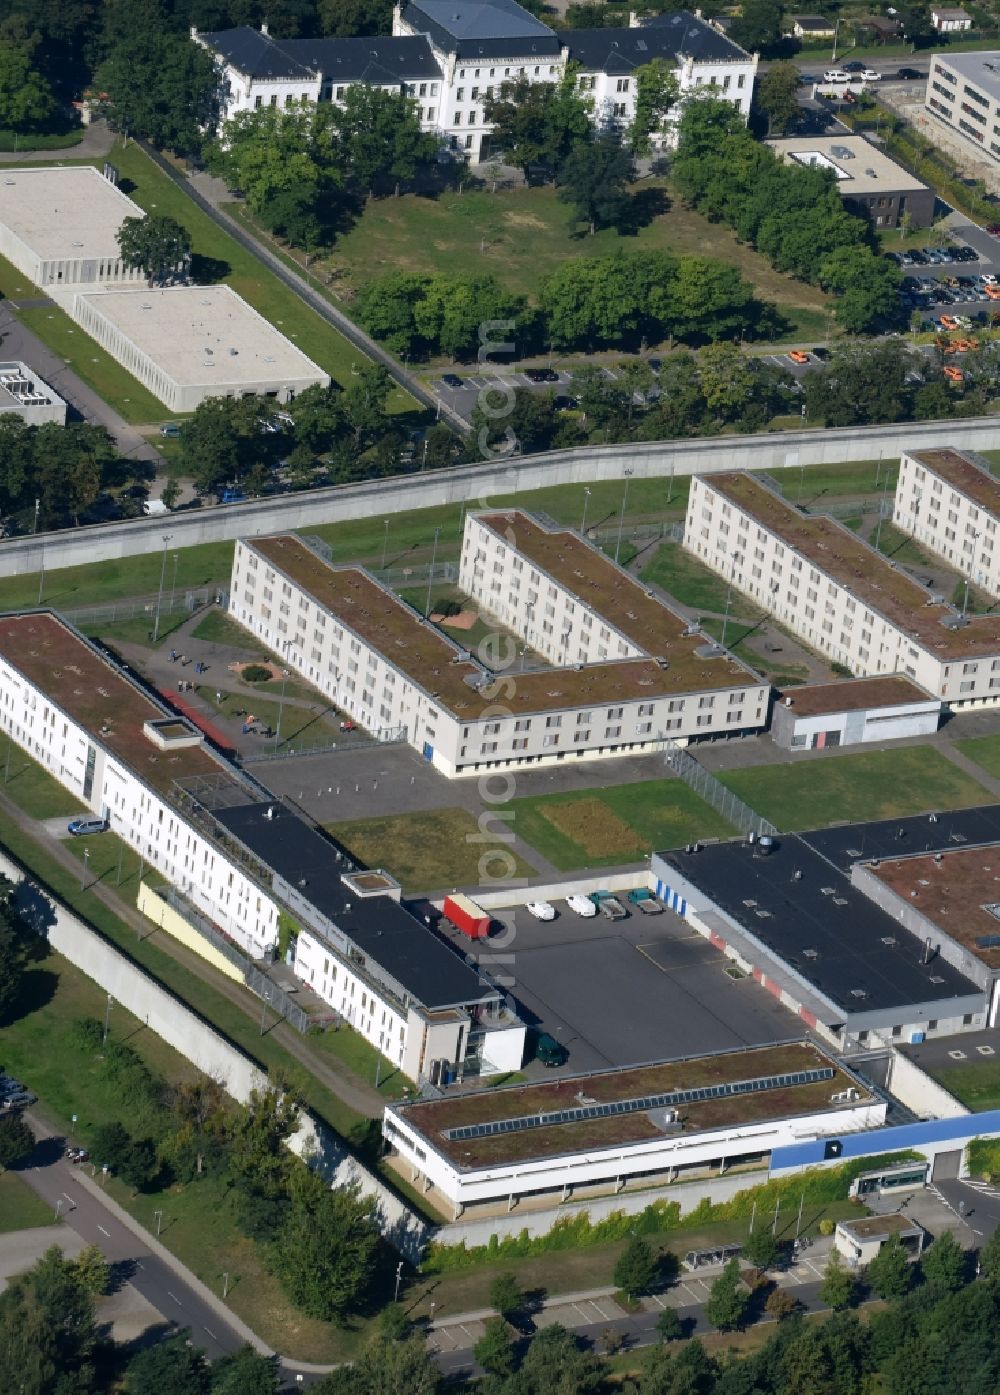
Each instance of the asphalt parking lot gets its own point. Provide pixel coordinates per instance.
(642, 989)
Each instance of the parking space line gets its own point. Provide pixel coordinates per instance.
(688, 1289)
(604, 1315)
(469, 1334)
(655, 1298)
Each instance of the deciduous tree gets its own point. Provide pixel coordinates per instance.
(506, 1295)
(26, 100)
(161, 86)
(495, 1350)
(728, 1299)
(839, 1287)
(325, 1253)
(47, 1332)
(635, 1269)
(777, 96)
(593, 179)
(170, 1367)
(16, 1140)
(889, 1273)
(157, 245)
(656, 93)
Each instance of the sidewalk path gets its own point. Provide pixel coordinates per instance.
(97, 140)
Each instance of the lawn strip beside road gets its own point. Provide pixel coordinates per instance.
(875, 785)
(984, 750)
(20, 1208)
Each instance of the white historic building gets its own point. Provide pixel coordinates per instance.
(631, 670)
(450, 55)
(844, 598)
(950, 502)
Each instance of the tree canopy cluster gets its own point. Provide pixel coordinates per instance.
(63, 467)
(793, 214)
(303, 168)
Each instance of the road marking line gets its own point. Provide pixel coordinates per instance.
(211, 1334)
(104, 1232)
(69, 1199)
(603, 1314)
(655, 1298)
(580, 1311)
(691, 1291)
(175, 1298)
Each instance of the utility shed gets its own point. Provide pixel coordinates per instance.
(851, 713)
(861, 1241)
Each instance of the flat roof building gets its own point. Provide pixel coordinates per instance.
(393, 670)
(860, 1241)
(819, 940)
(818, 716)
(844, 598)
(642, 1126)
(963, 91)
(186, 343)
(869, 182)
(238, 860)
(23, 394)
(950, 501)
(59, 225)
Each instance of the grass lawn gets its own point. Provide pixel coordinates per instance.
(975, 1084)
(40, 1048)
(95, 583)
(93, 364)
(296, 722)
(34, 789)
(20, 1207)
(900, 547)
(216, 627)
(876, 785)
(424, 851)
(740, 636)
(137, 630)
(523, 235)
(692, 583)
(603, 827)
(349, 1047)
(984, 750)
(813, 484)
(152, 190)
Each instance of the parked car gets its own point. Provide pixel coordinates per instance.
(80, 828)
(821, 353)
(541, 375)
(908, 75)
(581, 904)
(965, 253)
(917, 258)
(854, 66)
(993, 229)
(798, 356)
(348, 725)
(541, 910)
(837, 75)
(20, 1099)
(953, 374)
(549, 1051)
(452, 380)
(170, 430)
(870, 75)
(77, 1155)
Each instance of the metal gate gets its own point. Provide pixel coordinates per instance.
(946, 1165)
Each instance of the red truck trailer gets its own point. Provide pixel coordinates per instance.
(466, 916)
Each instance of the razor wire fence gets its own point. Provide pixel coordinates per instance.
(722, 799)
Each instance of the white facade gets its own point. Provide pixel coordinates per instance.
(963, 91)
(950, 20)
(450, 95)
(838, 594)
(109, 785)
(951, 504)
(401, 673)
(653, 1162)
(187, 343)
(58, 225)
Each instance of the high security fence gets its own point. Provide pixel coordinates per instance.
(713, 791)
(144, 607)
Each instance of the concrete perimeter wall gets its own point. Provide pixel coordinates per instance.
(185, 1031)
(919, 1091)
(480, 484)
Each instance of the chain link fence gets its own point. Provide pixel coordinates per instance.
(713, 791)
(382, 736)
(144, 607)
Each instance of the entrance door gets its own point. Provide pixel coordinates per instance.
(946, 1165)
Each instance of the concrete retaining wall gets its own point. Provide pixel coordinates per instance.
(182, 1029)
(478, 484)
(557, 891)
(919, 1092)
(688, 1196)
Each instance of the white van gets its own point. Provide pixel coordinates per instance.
(836, 75)
(153, 508)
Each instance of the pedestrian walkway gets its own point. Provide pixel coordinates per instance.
(98, 139)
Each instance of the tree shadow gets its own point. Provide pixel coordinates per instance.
(640, 210)
(206, 271)
(38, 988)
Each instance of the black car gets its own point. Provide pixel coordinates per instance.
(820, 353)
(966, 254)
(565, 404)
(452, 380)
(908, 75)
(918, 258)
(854, 67)
(541, 375)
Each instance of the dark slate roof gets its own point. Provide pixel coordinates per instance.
(482, 28)
(839, 946)
(378, 60)
(673, 36)
(384, 931)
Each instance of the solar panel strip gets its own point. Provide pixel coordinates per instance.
(640, 1105)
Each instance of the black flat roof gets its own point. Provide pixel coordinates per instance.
(803, 909)
(383, 930)
(845, 844)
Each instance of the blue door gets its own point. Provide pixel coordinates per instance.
(428, 751)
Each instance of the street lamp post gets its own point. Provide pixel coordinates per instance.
(38, 505)
(159, 596)
(586, 501)
(399, 1275)
(430, 574)
(621, 517)
(107, 1020)
(86, 868)
(159, 1220)
(385, 543)
(281, 707)
(173, 582)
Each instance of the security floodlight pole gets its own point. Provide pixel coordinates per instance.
(159, 596)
